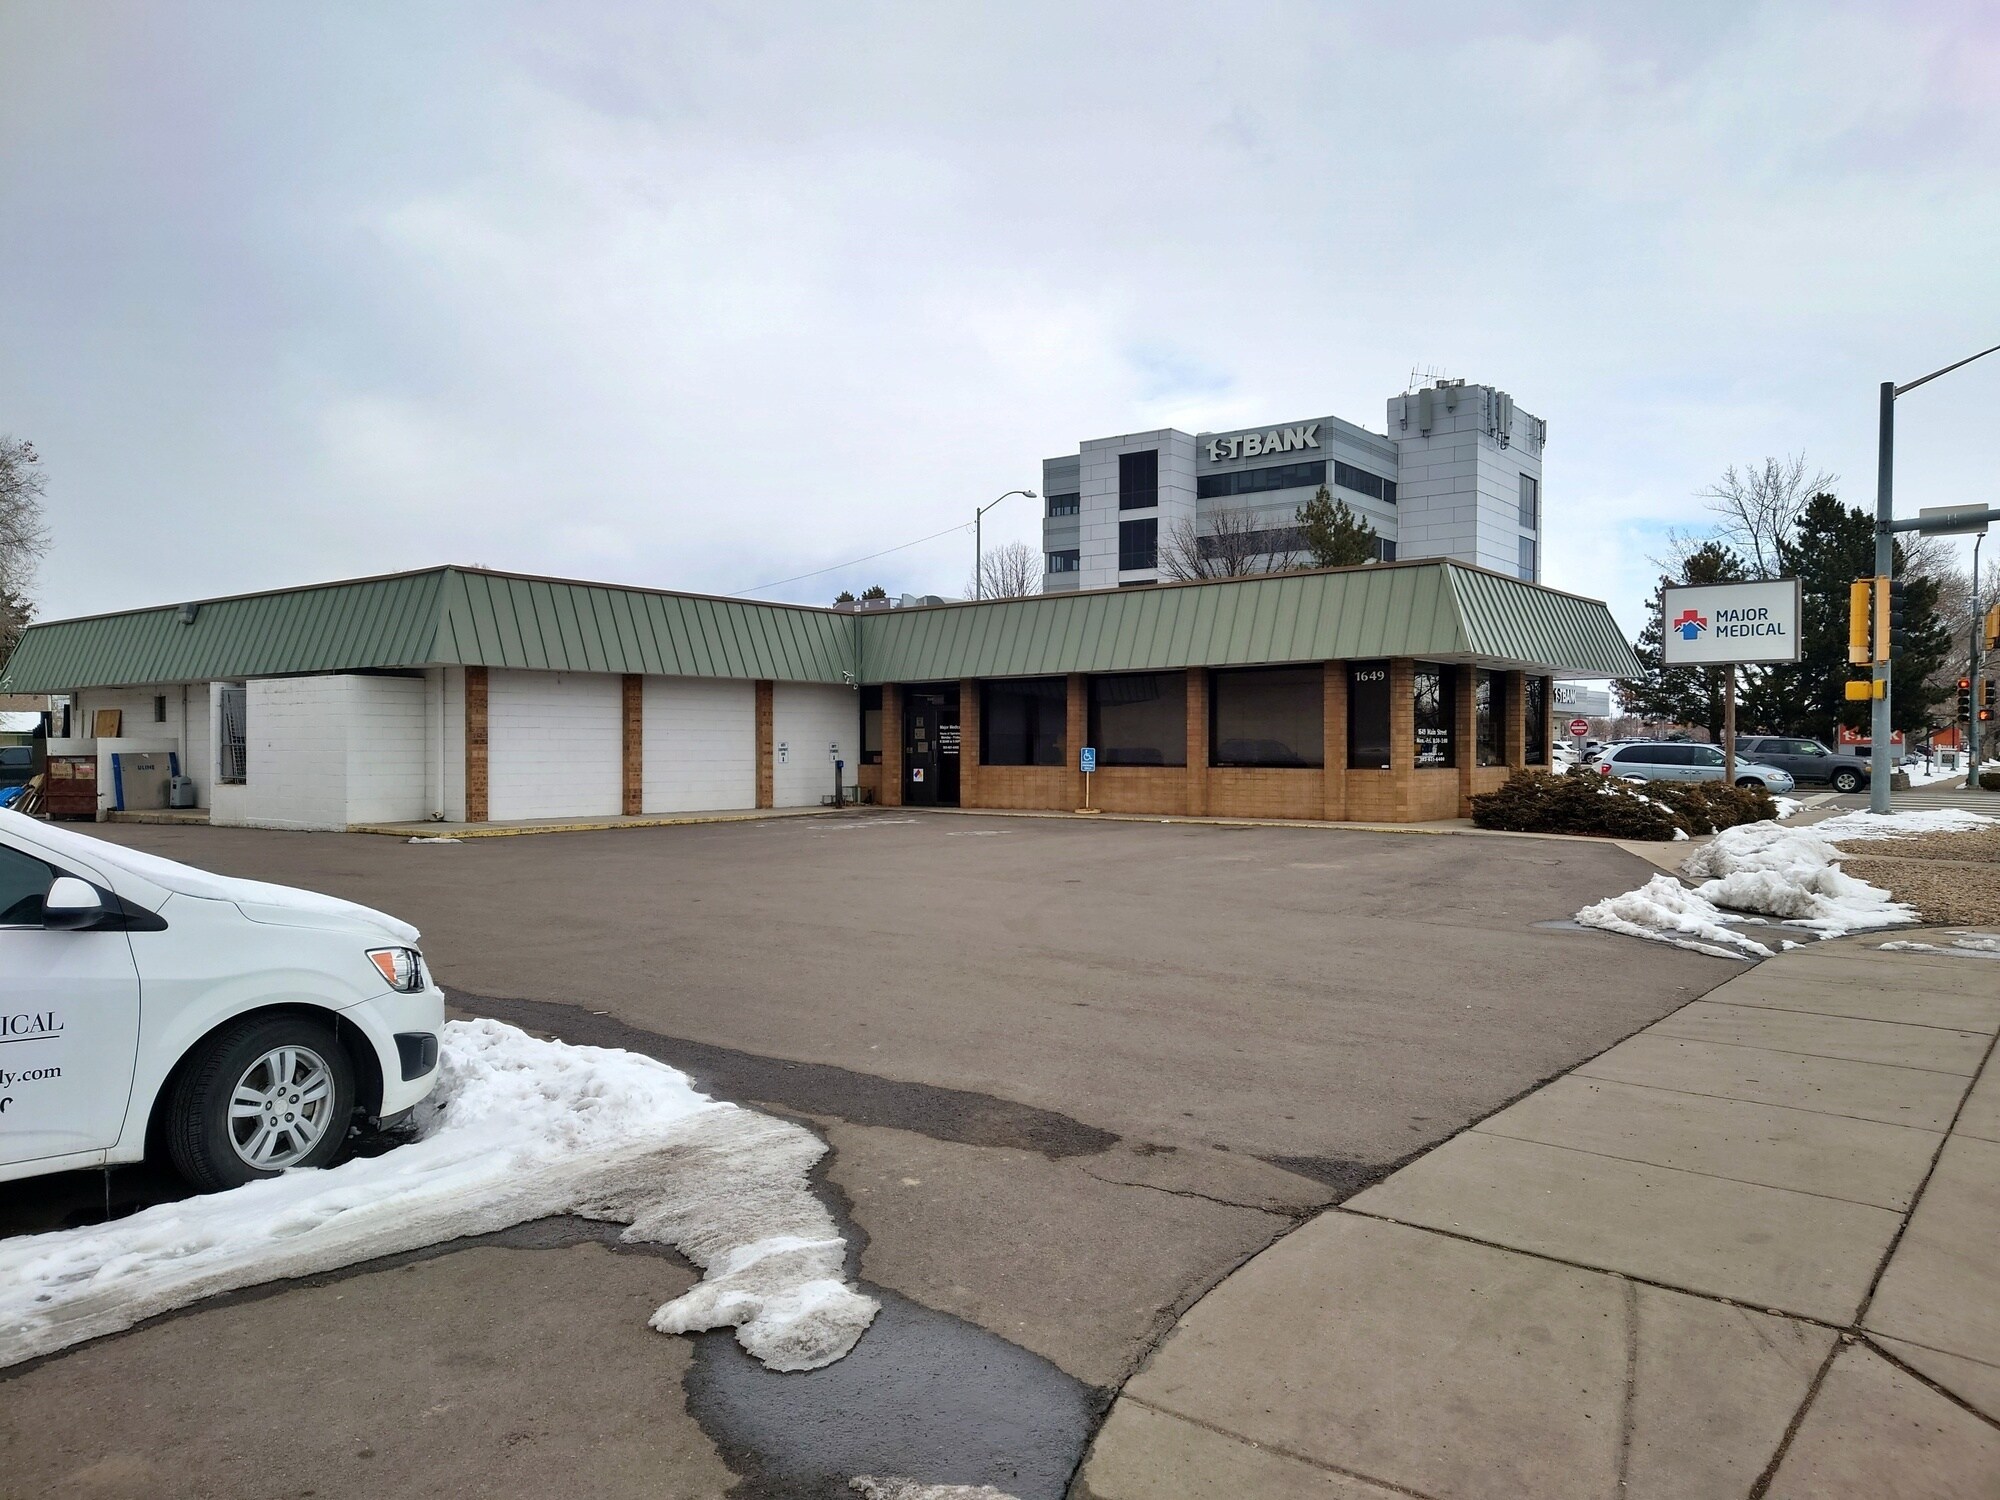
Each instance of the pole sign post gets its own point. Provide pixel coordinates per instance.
(1729, 625)
(1086, 762)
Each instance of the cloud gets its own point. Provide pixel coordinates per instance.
(679, 296)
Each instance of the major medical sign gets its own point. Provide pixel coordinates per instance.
(1716, 623)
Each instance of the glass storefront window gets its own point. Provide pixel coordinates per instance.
(1535, 721)
(1139, 719)
(1436, 716)
(1489, 717)
(1368, 716)
(1021, 722)
(871, 726)
(1267, 716)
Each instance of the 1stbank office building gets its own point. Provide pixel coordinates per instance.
(1393, 691)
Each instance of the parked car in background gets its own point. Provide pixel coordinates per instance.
(1662, 761)
(17, 765)
(241, 1028)
(1806, 760)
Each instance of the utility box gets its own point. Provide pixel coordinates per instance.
(181, 792)
(140, 778)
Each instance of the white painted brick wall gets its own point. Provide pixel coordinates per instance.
(554, 745)
(700, 745)
(807, 718)
(386, 741)
(296, 742)
(189, 735)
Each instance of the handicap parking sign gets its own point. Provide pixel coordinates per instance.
(1089, 759)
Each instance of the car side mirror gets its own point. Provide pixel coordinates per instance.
(71, 905)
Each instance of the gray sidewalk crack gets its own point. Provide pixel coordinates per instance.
(1628, 1420)
(1841, 1015)
(1803, 1109)
(1387, 1486)
(1866, 1062)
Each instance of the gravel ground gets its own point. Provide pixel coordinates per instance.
(1961, 895)
(1979, 845)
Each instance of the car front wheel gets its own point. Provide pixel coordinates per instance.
(1750, 782)
(1847, 781)
(262, 1096)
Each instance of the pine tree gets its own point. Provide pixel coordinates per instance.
(1831, 547)
(1334, 535)
(1682, 695)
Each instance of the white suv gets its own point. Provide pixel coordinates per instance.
(235, 1027)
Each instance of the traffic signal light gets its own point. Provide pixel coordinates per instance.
(1965, 697)
(1860, 627)
(1993, 628)
(1888, 618)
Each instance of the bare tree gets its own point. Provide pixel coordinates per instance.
(1758, 508)
(1010, 572)
(1235, 544)
(24, 536)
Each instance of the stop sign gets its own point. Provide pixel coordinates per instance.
(1579, 727)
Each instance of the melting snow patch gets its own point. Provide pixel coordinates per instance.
(1788, 806)
(877, 1488)
(1792, 874)
(525, 1128)
(437, 839)
(1668, 912)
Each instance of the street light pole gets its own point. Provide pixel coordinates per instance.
(1885, 561)
(978, 546)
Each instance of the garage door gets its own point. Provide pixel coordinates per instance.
(811, 727)
(553, 745)
(700, 745)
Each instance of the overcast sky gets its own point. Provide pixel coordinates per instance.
(706, 296)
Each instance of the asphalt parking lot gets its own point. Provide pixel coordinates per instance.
(1072, 1074)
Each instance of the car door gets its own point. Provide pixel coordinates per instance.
(69, 1022)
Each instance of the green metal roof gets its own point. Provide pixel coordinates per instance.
(465, 616)
(1430, 608)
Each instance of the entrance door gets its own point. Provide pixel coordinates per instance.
(930, 747)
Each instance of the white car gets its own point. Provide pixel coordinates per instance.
(236, 1028)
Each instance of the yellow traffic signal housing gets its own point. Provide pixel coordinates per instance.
(1859, 596)
(1993, 628)
(1860, 690)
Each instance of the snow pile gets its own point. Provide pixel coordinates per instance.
(1980, 944)
(525, 1129)
(1792, 874)
(436, 839)
(875, 1487)
(1668, 912)
(1788, 807)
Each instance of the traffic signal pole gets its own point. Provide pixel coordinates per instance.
(1974, 740)
(1880, 762)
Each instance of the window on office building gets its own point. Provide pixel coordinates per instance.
(1267, 716)
(1531, 502)
(1021, 722)
(1436, 716)
(1139, 719)
(1070, 561)
(1064, 505)
(1385, 550)
(1257, 481)
(1489, 716)
(871, 726)
(1139, 544)
(1526, 556)
(1139, 479)
(1368, 716)
(1535, 721)
(1363, 483)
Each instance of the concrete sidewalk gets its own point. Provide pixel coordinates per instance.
(1753, 1250)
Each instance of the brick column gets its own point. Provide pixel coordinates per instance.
(1197, 741)
(1334, 751)
(766, 795)
(1465, 728)
(968, 742)
(1076, 731)
(1548, 721)
(1516, 742)
(891, 794)
(475, 745)
(634, 743)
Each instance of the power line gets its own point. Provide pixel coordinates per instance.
(857, 562)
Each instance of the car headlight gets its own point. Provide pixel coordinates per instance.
(402, 967)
